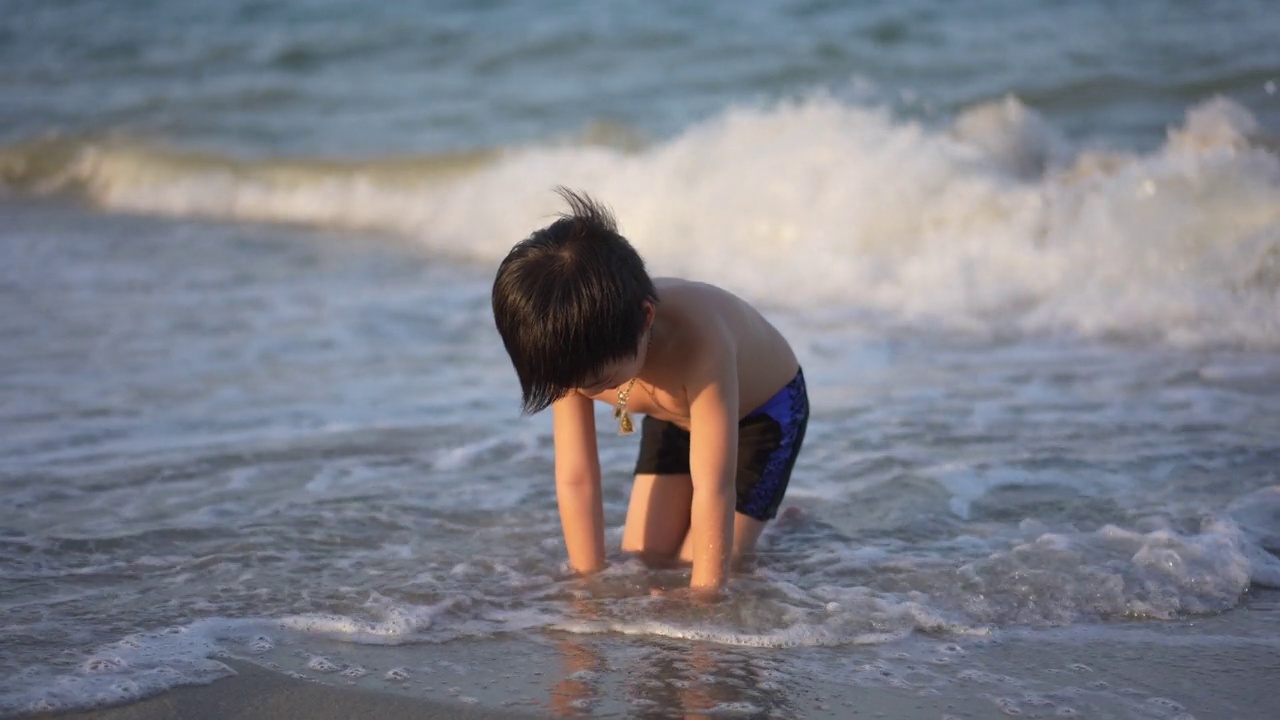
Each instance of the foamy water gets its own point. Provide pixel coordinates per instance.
(994, 223)
(252, 404)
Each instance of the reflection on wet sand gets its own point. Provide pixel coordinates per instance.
(670, 679)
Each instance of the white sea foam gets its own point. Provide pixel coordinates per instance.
(1054, 578)
(995, 222)
(394, 624)
(1113, 572)
(127, 670)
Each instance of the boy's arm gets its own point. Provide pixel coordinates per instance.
(578, 482)
(713, 462)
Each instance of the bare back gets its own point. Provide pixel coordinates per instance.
(689, 315)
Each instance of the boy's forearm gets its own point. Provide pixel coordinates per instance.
(712, 534)
(582, 519)
(713, 461)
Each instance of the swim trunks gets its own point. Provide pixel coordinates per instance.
(769, 440)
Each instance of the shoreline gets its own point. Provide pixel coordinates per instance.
(1205, 668)
(257, 693)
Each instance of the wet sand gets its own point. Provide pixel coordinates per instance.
(256, 693)
(1222, 666)
(1178, 683)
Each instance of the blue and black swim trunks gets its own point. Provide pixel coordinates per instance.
(769, 439)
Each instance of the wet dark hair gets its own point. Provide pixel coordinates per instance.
(569, 300)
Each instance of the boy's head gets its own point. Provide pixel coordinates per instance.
(570, 300)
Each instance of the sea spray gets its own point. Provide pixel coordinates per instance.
(995, 223)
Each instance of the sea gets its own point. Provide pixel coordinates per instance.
(253, 406)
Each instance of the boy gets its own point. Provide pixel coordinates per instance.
(723, 396)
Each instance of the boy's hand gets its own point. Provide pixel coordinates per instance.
(672, 588)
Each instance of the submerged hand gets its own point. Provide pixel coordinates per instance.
(691, 595)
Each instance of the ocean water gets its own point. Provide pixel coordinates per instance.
(252, 403)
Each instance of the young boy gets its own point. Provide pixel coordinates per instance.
(723, 396)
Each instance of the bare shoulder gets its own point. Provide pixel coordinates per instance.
(701, 304)
(708, 326)
(681, 289)
(700, 316)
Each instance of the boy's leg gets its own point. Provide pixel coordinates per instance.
(746, 533)
(658, 517)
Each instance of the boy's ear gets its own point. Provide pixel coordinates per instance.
(650, 310)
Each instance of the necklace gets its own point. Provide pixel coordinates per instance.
(625, 426)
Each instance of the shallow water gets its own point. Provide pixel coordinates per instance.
(236, 448)
(252, 403)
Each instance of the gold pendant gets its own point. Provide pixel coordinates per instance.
(620, 412)
(624, 421)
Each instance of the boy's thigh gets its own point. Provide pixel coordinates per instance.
(658, 516)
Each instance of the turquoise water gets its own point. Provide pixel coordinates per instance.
(251, 400)
(325, 78)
